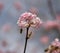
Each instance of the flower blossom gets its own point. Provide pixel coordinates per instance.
(29, 19)
(54, 47)
(56, 42)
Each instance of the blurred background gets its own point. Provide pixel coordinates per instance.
(11, 41)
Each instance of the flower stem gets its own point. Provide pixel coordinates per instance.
(26, 39)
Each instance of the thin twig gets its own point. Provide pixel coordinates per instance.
(26, 39)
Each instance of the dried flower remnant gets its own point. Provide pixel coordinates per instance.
(27, 20)
(54, 47)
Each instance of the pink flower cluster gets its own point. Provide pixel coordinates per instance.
(56, 43)
(54, 47)
(29, 19)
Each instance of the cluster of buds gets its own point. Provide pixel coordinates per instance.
(27, 20)
(54, 47)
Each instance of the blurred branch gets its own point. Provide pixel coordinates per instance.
(51, 9)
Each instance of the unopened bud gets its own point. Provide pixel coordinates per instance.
(29, 35)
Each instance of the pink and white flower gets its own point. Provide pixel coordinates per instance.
(56, 42)
(54, 47)
(27, 19)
